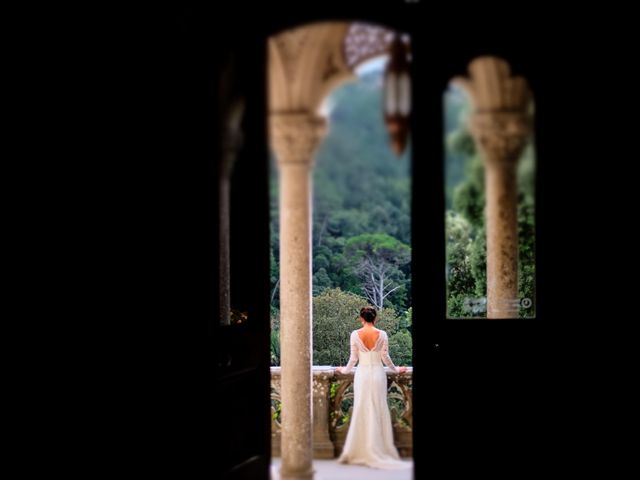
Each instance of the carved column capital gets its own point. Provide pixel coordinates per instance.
(295, 136)
(231, 140)
(501, 136)
(231, 143)
(231, 137)
(500, 122)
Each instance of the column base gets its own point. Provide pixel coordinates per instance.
(324, 450)
(295, 475)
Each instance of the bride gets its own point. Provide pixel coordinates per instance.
(370, 436)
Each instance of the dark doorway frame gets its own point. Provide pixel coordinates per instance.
(453, 361)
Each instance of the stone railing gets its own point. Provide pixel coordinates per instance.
(332, 407)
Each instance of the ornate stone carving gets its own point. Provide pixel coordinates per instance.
(332, 406)
(305, 64)
(342, 405)
(500, 122)
(364, 41)
(322, 445)
(331, 68)
(491, 88)
(291, 44)
(501, 136)
(401, 401)
(276, 401)
(295, 136)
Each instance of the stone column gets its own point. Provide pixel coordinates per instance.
(501, 137)
(322, 444)
(500, 125)
(294, 137)
(231, 143)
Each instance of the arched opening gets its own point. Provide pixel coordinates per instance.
(450, 356)
(341, 237)
(489, 187)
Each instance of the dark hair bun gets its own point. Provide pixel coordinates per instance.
(368, 314)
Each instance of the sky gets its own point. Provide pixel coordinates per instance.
(375, 64)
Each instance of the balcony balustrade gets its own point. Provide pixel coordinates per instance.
(332, 407)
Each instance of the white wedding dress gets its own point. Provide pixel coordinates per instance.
(370, 436)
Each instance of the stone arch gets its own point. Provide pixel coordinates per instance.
(307, 62)
(500, 124)
(304, 64)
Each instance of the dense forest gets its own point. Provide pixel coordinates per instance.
(361, 228)
(465, 223)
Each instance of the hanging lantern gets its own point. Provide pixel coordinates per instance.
(397, 95)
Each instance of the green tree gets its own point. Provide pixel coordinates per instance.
(335, 316)
(378, 258)
(360, 187)
(275, 347)
(400, 348)
(321, 281)
(275, 233)
(461, 283)
(275, 280)
(459, 276)
(406, 320)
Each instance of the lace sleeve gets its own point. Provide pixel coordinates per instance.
(385, 353)
(354, 354)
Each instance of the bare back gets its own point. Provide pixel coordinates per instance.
(369, 337)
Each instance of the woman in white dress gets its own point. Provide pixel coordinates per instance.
(370, 436)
